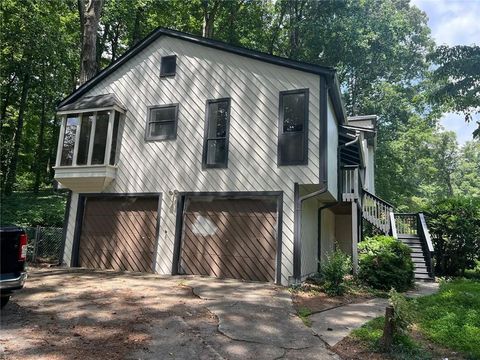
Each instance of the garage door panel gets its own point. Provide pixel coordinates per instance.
(119, 233)
(234, 238)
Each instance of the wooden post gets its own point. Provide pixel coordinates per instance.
(387, 338)
(35, 244)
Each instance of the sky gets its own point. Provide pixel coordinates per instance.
(454, 22)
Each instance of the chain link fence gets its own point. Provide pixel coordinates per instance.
(44, 244)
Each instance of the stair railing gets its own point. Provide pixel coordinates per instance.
(377, 212)
(350, 183)
(425, 235)
(406, 223)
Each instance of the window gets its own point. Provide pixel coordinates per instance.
(84, 141)
(168, 66)
(293, 128)
(162, 122)
(100, 138)
(90, 138)
(69, 136)
(215, 147)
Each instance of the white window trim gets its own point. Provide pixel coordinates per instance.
(108, 143)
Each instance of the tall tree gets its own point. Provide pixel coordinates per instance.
(458, 80)
(89, 12)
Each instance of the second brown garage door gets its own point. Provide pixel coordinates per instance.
(119, 233)
(230, 238)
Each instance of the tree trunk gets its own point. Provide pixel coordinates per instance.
(388, 329)
(39, 154)
(91, 15)
(209, 18)
(276, 29)
(12, 168)
(136, 34)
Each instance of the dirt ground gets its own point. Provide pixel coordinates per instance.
(89, 315)
(84, 314)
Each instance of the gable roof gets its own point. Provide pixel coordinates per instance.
(328, 72)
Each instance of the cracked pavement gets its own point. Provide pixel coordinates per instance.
(86, 314)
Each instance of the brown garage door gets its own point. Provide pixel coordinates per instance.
(230, 238)
(119, 233)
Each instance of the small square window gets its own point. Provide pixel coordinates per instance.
(168, 66)
(162, 122)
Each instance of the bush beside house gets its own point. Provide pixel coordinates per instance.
(385, 263)
(454, 225)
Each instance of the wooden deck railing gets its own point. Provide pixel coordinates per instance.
(350, 183)
(377, 211)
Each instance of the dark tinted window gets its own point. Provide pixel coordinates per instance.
(100, 139)
(162, 123)
(71, 124)
(293, 128)
(168, 66)
(113, 151)
(84, 141)
(215, 150)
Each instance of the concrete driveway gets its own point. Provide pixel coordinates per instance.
(83, 314)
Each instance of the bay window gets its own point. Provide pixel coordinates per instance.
(89, 138)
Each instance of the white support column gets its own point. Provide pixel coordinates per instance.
(354, 237)
(108, 146)
(92, 136)
(60, 141)
(77, 139)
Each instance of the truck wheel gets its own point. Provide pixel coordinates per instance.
(4, 301)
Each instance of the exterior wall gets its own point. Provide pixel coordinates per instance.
(343, 232)
(332, 129)
(164, 166)
(309, 236)
(370, 173)
(72, 216)
(328, 237)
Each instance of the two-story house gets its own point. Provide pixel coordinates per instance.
(192, 156)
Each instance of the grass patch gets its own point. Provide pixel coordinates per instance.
(452, 316)
(304, 313)
(403, 348)
(28, 209)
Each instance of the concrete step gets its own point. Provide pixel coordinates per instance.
(423, 277)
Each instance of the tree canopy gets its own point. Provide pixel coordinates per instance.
(386, 59)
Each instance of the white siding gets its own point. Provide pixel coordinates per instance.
(332, 138)
(309, 237)
(370, 170)
(205, 73)
(343, 231)
(327, 233)
(72, 216)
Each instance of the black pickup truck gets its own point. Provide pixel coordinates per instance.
(13, 250)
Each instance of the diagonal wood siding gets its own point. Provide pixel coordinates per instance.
(230, 238)
(119, 233)
(205, 73)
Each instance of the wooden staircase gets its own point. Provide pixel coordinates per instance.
(410, 229)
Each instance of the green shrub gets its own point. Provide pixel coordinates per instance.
(333, 271)
(403, 312)
(454, 225)
(385, 263)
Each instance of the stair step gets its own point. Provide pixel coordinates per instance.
(407, 237)
(411, 241)
(423, 277)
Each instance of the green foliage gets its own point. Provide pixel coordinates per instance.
(451, 317)
(304, 313)
(333, 271)
(454, 225)
(385, 263)
(403, 312)
(28, 209)
(404, 348)
(458, 79)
